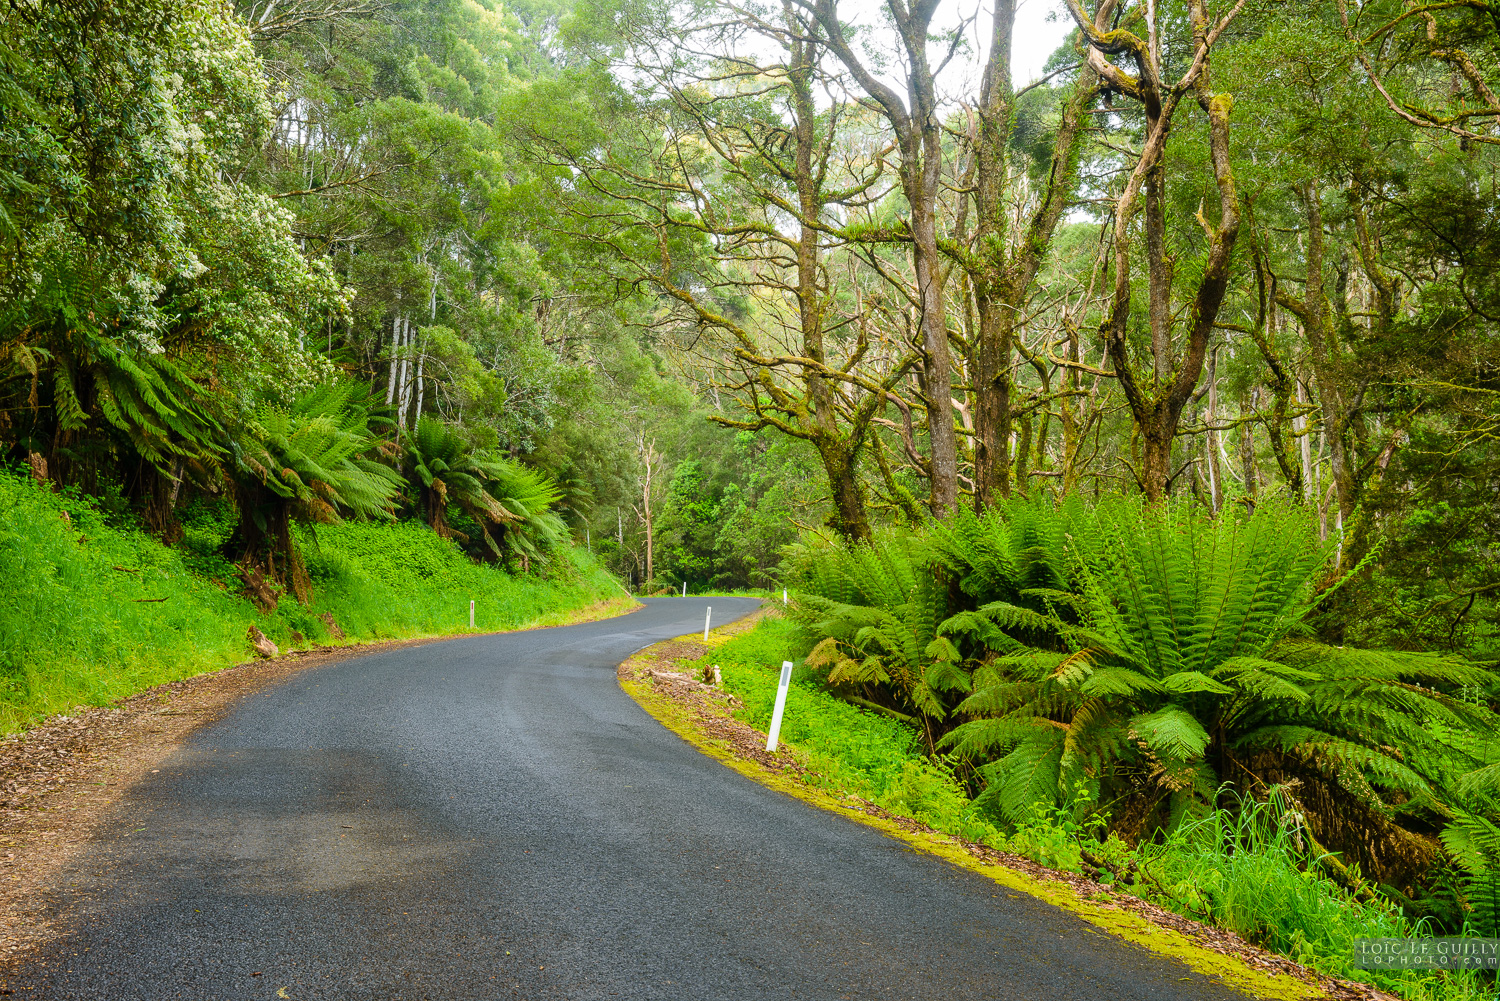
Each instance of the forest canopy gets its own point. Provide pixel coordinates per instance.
(719, 277)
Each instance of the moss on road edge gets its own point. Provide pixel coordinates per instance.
(701, 715)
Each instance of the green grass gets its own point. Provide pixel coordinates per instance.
(1250, 871)
(848, 749)
(1239, 870)
(91, 612)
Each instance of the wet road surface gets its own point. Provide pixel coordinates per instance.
(491, 817)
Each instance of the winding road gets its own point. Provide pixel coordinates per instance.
(492, 817)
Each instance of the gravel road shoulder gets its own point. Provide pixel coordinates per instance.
(59, 780)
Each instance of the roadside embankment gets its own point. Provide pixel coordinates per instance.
(93, 609)
(871, 769)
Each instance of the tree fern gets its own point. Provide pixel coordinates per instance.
(1171, 653)
(883, 608)
(1153, 653)
(310, 462)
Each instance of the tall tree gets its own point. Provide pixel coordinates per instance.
(1003, 265)
(1157, 402)
(915, 118)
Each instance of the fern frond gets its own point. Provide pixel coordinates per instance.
(1172, 732)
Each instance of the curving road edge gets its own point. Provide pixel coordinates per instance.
(493, 817)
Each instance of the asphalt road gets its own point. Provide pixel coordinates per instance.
(491, 817)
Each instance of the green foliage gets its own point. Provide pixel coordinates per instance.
(1189, 663)
(1147, 656)
(531, 498)
(95, 612)
(126, 219)
(848, 749)
(1250, 865)
(690, 525)
(886, 630)
(1062, 836)
(1473, 841)
(1253, 870)
(307, 462)
(448, 471)
(147, 398)
(312, 455)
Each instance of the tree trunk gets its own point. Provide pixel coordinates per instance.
(403, 391)
(1023, 452)
(421, 386)
(1156, 458)
(390, 384)
(1215, 473)
(1157, 407)
(915, 117)
(1002, 280)
(850, 518)
(937, 361)
(837, 449)
(992, 383)
(992, 416)
(648, 452)
(1247, 459)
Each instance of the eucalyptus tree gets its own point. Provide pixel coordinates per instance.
(914, 114)
(730, 194)
(1157, 399)
(1002, 265)
(386, 151)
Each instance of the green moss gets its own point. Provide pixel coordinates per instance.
(1129, 926)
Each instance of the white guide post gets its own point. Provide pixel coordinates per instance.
(786, 682)
(707, 616)
(783, 596)
(471, 613)
(684, 589)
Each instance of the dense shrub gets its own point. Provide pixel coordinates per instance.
(846, 747)
(1152, 655)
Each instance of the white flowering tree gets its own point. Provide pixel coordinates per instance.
(139, 272)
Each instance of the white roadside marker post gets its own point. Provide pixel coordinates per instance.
(786, 682)
(707, 616)
(684, 589)
(783, 596)
(471, 613)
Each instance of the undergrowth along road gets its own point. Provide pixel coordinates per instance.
(494, 817)
(853, 758)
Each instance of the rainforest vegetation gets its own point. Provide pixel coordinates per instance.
(1127, 433)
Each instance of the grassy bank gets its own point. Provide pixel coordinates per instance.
(847, 748)
(92, 609)
(1247, 871)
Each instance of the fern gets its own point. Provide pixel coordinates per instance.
(1473, 841)
(1155, 652)
(307, 462)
